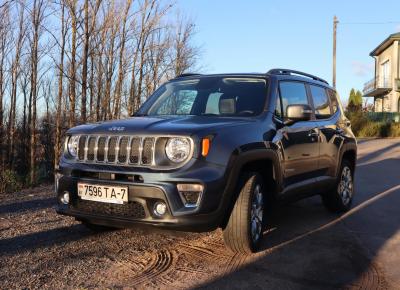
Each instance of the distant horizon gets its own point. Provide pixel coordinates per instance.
(233, 40)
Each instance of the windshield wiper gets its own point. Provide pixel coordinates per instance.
(140, 115)
(209, 114)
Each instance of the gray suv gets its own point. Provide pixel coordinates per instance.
(209, 151)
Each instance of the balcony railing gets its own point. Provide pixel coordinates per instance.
(379, 82)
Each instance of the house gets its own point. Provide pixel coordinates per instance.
(385, 87)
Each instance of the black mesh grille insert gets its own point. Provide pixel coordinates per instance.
(123, 149)
(101, 148)
(81, 147)
(135, 147)
(128, 210)
(147, 155)
(91, 146)
(112, 146)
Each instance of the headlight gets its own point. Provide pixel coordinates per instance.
(72, 145)
(177, 149)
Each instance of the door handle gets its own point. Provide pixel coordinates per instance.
(339, 131)
(313, 133)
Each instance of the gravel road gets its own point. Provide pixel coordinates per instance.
(305, 246)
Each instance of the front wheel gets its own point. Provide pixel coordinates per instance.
(341, 197)
(244, 230)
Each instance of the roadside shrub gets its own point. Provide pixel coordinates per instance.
(370, 129)
(394, 130)
(362, 126)
(358, 121)
(9, 181)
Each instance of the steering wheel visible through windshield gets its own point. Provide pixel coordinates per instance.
(208, 96)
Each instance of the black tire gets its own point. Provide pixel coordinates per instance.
(97, 228)
(237, 234)
(335, 200)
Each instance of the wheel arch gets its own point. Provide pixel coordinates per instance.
(348, 152)
(263, 161)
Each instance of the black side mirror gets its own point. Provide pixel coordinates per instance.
(296, 113)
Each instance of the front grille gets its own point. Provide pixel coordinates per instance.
(117, 149)
(128, 210)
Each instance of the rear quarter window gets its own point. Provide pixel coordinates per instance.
(321, 102)
(333, 97)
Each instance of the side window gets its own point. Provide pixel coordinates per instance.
(212, 106)
(334, 101)
(321, 102)
(292, 93)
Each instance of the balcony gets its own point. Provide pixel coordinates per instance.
(380, 85)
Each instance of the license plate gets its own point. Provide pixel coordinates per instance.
(101, 193)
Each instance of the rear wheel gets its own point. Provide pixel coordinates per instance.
(244, 230)
(341, 197)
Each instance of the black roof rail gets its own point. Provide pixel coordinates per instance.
(283, 71)
(187, 75)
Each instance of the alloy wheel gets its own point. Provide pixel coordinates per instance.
(345, 188)
(257, 210)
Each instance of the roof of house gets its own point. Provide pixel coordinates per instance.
(385, 44)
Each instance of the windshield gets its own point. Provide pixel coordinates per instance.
(208, 96)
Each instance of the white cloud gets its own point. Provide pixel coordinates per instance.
(362, 69)
(398, 28)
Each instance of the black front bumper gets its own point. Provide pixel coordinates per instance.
(153, 187)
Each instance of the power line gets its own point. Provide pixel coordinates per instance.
(370, 23)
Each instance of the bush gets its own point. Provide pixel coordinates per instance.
(370, 129)
(362, 126)
(9, 181)
(358, 121)
(395, 130)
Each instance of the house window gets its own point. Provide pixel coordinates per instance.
(385, 81)
(398, 105)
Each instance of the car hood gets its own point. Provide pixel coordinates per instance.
(186, 125)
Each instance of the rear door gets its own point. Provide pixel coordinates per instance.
(299, 141)
(329, 123)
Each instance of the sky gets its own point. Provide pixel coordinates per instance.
(257, 35)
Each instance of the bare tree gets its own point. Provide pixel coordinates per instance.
(121, 71)
(93, 60)
(72, 7)
(184, 54)
(37, 16)
(57, 145)
(4, 36)
(15, 70)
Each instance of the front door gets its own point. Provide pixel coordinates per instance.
(299, 141)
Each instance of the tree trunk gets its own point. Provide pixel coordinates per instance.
(36, 22)
(14, 83)
(57, 147)
(85, 63)
(72, 73)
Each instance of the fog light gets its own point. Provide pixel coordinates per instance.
(65, 198)
(190, 194)
(160, 208)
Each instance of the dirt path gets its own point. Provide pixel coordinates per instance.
(305, 248)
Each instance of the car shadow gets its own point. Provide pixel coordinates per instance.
(306, 247)
(27, 205)
(43, 239)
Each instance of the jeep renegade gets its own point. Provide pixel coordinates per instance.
(209, 151)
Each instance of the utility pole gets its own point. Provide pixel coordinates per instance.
(335, 22)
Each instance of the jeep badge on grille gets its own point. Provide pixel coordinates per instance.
(118, 129)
